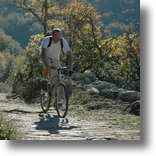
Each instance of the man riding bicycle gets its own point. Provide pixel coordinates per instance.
(52, 47)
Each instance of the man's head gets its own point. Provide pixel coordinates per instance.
(56, 33)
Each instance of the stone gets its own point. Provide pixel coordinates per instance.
(109, 93)
(93, 91)
(77, 76)
(135, 108)
(103, 85)
(129, 96)
(90, 76)
(69, 85)
(85, 78)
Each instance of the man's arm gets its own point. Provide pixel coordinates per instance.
(44, 58)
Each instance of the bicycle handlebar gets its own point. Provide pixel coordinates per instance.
(64, 69)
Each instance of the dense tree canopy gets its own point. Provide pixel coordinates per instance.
(96, 41)
(15, 23)
(117, 16)
(114, 59)
(9, 45)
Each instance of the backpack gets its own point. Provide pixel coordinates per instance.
(61, 42)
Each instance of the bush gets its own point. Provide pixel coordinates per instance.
(122, 62)
(80, 98)
(5, 88)
(6, 66)
(8, 44)
(113, 59)
(27, 78)
(7, 129)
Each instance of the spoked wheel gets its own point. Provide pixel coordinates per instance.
(46, 100)
(61, 99)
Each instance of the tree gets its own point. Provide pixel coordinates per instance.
(123, 67)
(42, 10)
(113, 59)
(6, 66)
(9, 45)
(81, 24)
(26, 79)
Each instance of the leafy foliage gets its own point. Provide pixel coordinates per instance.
(15, 23)
(122, 65)
(26, 78)
(7, 129)
(9, 51)
(114, 59)
(5, 66)
(117, 16)
(9, 45)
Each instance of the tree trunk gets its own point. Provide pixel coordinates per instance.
(45, 16)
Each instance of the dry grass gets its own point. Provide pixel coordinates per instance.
(7, 129)
(89, 107)
(5, 88)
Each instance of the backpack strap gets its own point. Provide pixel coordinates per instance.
(50, 41)
(61, 42)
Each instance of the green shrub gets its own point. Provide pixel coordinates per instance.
(8, 44)
(5, 88)
(80, 98)
(122, 63)
(26, 79)
(7, 129)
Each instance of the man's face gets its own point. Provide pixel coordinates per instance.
(56, 35)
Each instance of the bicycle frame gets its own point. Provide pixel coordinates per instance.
(59, 70)
(54, 94)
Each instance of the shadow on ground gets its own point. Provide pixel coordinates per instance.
(53, 124)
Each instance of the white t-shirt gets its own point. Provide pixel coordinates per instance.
(53, 52)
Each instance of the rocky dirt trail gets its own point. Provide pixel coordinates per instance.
(35, 125)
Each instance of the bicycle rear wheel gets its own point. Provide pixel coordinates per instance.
(61, 99)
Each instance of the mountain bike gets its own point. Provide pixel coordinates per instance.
(56, 94)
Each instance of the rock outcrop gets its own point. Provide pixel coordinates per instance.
(90, 83)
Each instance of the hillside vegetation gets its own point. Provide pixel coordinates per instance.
(105, 41)
(117, 16)
(112, 56)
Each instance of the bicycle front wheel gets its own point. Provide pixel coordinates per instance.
(45, 101)
(61, 99)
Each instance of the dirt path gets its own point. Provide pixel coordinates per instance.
(38, 126)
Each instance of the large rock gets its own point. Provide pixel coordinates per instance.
(85, 78)
(93, 91)
(135, 108)
(129, 96)
(109, 93)
(103, 85)
(69, 85)
(77, 76)
(89, 77)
